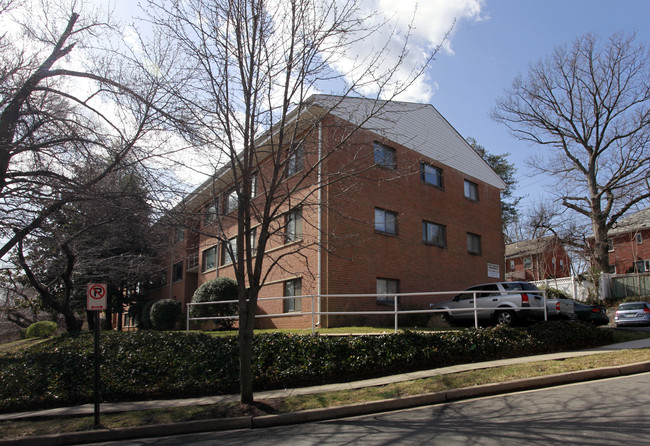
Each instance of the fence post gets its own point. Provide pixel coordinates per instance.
(395, 311)
(475, 310)
(313, 324)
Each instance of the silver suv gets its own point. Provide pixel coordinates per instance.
(503, 302)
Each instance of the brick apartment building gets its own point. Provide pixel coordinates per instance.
(421, 213)
(629, 244)
(537, 259)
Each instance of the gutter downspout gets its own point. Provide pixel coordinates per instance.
(320, 218)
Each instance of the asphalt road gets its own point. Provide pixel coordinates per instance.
(607, 412)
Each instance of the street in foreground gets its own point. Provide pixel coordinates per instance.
(605, 412)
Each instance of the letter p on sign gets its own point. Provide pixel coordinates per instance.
(96, 296)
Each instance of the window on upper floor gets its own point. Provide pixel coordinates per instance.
(473, 244)
(385, 221)
(177, 271)
(209, 259)
(528, 263)
(385, 156)
(431, 174)
(512, 265)
(610, 245)
(179, 234)
(471, 190)
(434, 234)
(293, 288)
(231, 201)
(639, 238)
(296, 160)
(293, 226)
(210, 212)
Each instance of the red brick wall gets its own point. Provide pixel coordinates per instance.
(627, 251)
(356, 255)
(361, 255)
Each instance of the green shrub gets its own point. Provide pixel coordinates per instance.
(145, 315)
(42, 329)
(215, 290)
(149, 364)
(164, 314)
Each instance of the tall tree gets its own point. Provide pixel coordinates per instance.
(67, 98)
(250, 66)
(106, 239)
(589, 104)
(506, 170)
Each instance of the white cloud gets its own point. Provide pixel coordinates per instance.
(418, 28)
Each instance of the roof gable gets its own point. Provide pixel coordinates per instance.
(419, 127)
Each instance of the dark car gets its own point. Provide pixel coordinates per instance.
(595, 314)
(632, 313)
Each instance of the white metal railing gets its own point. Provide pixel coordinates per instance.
(396, 312)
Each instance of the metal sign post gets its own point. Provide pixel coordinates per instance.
(96, 302)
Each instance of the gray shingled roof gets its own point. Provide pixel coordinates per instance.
(634, 222)
(527, 247)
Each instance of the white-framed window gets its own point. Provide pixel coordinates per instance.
(387, 286)
(231, 201)
(385, 221)
(177, 271)
(385, 156)
(473, 244)
(512, 265)
(431, 174)
(210, 212)
(209, 259)
(296, 160)
(528, 262)
(471, 190)
(561, 264)
(229, 251)
(293, 226)
(434, 234)
(639, 238)
(254, 185)
(179, 234)
(293, 288)
(610, 245)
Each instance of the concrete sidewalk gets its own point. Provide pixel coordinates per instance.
(329, 413)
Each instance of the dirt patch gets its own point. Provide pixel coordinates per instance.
(256, 409)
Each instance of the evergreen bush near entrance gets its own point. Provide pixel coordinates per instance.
(216, 290)
(164, 314)
(42, 329)
(150, 364)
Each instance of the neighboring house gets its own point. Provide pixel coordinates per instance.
(423, 214)
(629, 244)
(537, 259)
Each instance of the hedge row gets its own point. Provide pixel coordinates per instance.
(149, 365)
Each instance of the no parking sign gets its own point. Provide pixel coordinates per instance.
(96, 296)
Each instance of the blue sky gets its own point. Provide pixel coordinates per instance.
(489, 53)
(492, 41)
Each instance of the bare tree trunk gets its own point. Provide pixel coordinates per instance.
(246, 334)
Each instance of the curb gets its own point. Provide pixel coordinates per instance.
(264, 421)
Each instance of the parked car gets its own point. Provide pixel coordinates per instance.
(502, 302)
(560, 309)
(632, 313)
(595, 314)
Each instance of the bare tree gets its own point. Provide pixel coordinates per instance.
(589, 104)
(251, 65)
(68, 98)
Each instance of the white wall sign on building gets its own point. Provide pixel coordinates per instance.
(493, 270)
(96, 296)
